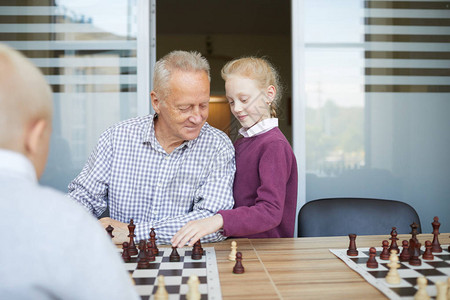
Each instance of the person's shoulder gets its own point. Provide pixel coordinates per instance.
(214, 135)
(274, 138)
(136, 124)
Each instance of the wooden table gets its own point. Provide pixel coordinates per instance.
(298, 268)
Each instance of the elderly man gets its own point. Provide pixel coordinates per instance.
(53, 249)
(166, 169)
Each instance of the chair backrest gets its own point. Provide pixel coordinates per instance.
(362, 216)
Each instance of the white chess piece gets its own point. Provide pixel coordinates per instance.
(421, 293)
(441, 288)
(392, 276)
(193, 291)
(161, 292)
(232, 255)
(448, 290)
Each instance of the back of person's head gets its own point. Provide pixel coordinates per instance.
(178, 60)
(25, 105)
(258, 69)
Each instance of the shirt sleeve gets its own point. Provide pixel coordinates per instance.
(274, 171)
(215, 194)
(90, 187)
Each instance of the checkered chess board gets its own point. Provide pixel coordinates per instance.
(434, 270)
(176, 274)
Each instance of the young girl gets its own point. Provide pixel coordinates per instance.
(265, 184)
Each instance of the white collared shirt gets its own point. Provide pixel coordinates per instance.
(15, 164)
(260, 127)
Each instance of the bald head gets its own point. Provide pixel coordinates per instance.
(25, 101)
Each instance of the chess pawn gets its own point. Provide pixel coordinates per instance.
(196, 252)
(193, 291)
(125, 255)
(174, 256)
(394, 240)
(428, 255)
(161, 292)
(405, 256)
(393, 277)
(372, 262)
(441, 288)
(232, 255)
(421, 293)
(352, 251)
(238, 267)
(385, 253)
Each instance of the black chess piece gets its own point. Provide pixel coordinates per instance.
(132, 250)
(394, 240)
(143, 263)
(413, 241)
(238, 267)
(174, 256)
(435, 245)
(152, 241)
(149, 251)
(405, 256)
(414, 260)
(125, 255)
(372, 262)
(352, 251)
(196, 252)
(109, 230)
(428, 254)
(385, 253)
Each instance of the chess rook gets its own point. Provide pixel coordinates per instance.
(352, 251)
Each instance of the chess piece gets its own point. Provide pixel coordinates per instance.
(372, 262)
(193, 291)
(428, 254)
(109, 230)
(414, 260)
(352, 251)
(421, 293)
(174, 256)
(405, 256)
(149, 251)
(125, 255)
(196, 251)
(232, 255)
(132, 250)
(161, 292)
(441, 288)
(436, 246)
(394, 240)
(238, 267)
(200, 246)
(385, 253)
(143, 263)
(392, 276)
(152, 241)
(413, 241)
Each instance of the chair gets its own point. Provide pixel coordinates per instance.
(362, 216)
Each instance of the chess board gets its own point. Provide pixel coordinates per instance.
(176, 274)
(434, 270)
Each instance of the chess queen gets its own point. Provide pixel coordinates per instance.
(265, 184)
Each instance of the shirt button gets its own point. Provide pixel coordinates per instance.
(159, 184)
(167, 157)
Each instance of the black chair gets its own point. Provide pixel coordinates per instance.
(362, 216)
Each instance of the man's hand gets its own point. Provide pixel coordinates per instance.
(194, 230)
(120, 232)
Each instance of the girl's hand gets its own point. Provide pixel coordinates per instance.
(194, 230)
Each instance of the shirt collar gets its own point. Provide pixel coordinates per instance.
(150, 136)
(15, 164)
(260, 127)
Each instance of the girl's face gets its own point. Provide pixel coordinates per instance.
(248, 103)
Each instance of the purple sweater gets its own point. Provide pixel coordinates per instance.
(265, 188)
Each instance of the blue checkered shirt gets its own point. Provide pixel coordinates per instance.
(130, 171)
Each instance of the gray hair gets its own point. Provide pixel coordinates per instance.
(191, 61)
